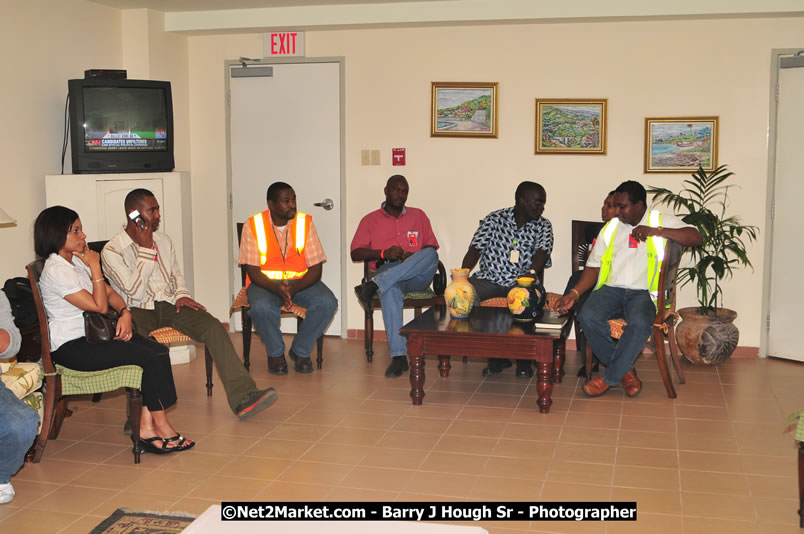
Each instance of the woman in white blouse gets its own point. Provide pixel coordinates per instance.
(71, 283)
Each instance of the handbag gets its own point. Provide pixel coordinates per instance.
(100, 327)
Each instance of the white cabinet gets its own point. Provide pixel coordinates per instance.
(98, 199)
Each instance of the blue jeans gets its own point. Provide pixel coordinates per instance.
(636, 307)
(396, 278)
(265, 311)
(18, 425)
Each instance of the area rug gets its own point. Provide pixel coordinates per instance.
(125, 521)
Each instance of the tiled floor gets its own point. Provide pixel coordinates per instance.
(716, 460)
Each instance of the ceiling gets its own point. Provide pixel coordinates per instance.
(217, 5)
(205, 16)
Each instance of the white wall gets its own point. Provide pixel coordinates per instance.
(645, 69)
(44, 43)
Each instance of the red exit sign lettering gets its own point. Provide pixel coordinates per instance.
(283, 44)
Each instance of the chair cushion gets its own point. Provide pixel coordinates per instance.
(420, 295)
(21, 378)
(241, 301)
(168, 335)
(616, 326)
(87, 382)
(502, 302)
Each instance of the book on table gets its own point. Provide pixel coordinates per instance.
(549, 319)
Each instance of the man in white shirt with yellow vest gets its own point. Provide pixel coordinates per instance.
(623, 269)
(283, 258)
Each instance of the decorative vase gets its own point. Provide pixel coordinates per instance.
(526, 300)
(460, 294)
(707, 339)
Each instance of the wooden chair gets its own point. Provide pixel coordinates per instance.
(241, 303)
(417, 300)
(165, 335)
(62, 382)
(663, 325)
(583, 233)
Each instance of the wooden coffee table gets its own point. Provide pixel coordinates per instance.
(488, 333)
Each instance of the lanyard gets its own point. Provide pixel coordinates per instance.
(281, 250)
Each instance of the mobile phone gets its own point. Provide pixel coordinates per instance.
(137, 218)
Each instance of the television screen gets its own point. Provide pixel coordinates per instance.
(121, 125)
(124, 118)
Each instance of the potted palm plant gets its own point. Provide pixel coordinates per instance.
(707, 335)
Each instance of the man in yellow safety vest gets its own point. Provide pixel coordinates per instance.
(623, 268)
(283, 258)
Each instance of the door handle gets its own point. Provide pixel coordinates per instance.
(327, 204)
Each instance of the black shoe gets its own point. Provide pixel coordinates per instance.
(496, 365)
(277, 365)
(303, 365)
(399, 364)
(255, 402)
(524, 369)
(365, 293)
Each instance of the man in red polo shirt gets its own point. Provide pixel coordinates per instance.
(401, 243)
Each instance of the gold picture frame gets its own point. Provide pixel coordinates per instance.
(681, 144)
(571, 125)
(464, 109)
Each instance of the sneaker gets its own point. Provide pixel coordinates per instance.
(255, 402)
(399, 364)
(6, 493)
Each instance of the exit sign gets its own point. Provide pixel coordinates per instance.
(283, 44)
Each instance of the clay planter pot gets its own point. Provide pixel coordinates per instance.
(707, 339)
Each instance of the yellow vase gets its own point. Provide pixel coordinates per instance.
(460, 294)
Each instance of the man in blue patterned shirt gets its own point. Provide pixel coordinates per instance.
(510, 243)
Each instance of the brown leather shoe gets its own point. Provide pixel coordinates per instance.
(631, 384)
(303, 365)
(277, 365)
(595, 387)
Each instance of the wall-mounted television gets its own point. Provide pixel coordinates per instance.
(120, 125)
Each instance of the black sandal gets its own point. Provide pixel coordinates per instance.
(183, 445)
(147, 445)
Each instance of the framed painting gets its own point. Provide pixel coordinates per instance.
(571, 126)
(680, 144)
(463, 109)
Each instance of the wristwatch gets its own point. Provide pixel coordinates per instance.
(532, 272)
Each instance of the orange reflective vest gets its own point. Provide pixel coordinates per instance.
(272, 263)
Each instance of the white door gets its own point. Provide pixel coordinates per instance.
(787, 284)
(285, 125)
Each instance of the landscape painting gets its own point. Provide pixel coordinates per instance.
(571, 126)
(461, 109)
(681, 144)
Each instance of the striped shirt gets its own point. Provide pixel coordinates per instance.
(143, 275)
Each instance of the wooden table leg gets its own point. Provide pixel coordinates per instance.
(801, 484)
(545, 385)
(416, 358)
(444, 365)
(559, 355)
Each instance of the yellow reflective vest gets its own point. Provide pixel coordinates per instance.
(273, 263)
(655, 250)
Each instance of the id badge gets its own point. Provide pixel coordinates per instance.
(413, 239)
(514, 256)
